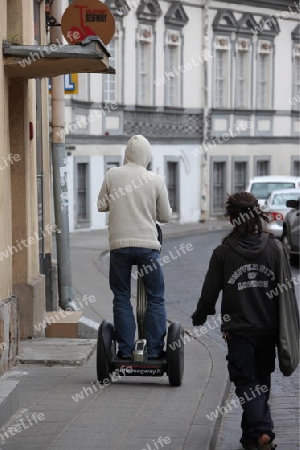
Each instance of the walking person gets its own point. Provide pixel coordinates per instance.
(245, 267)
(136, 199)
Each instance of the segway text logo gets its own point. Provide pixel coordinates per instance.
(95, 15)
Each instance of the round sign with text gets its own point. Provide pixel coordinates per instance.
(85, 18)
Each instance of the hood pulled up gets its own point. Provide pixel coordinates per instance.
(138, 151)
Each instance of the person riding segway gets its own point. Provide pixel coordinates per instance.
(136, 199)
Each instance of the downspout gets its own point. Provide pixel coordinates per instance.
(205, 117)
(60, 184)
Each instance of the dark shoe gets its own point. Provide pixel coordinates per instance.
(251, 446)
(120, 355)
(269, 446)
(161, 355)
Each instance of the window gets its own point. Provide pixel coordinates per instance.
(261, 190)
(296, 168)
(37, 22)
(281, 199)
(264, 78)
(145, 65)
(82, 208)
(243, 74)
(262, 167)
(110, 80)
(173, 74)
(219, 186)
(111, 83)
(222, 73)
(240, 176)
(295, 101)
(172, 185)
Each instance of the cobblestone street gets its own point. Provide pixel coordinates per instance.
(285, 414)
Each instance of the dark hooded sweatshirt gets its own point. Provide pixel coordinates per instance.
(246, 270)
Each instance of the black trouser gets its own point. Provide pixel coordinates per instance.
(251, 360)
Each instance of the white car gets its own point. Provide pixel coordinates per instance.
(275, 207)
(261, 187)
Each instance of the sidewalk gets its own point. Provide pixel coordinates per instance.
(284, 403)
(131, 413)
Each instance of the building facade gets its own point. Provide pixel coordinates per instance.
(149, 95)
(27, 61)
(213, 85)
(253, 94)
(24, 175)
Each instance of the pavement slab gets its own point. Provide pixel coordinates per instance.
(51, 351)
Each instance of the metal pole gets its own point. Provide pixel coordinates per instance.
(60, 185)
(204, 165)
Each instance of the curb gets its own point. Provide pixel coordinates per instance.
(219, 367)
(216, 394)
(87, 328)
(195, 231)
(9, 399)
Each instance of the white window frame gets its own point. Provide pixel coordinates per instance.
(222, 49)
(295, 163)
(236, 187)
(217, 209)
(295, 101)
(86, 221)
(111, 83)
(172, 64)
(145, 65)
(243, 77)
(262, 159)
(265, 82)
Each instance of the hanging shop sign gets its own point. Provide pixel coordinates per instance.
(85, 18)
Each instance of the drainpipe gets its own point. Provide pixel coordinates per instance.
(205, 120)
(60, 185)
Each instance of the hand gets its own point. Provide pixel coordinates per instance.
(198, 319)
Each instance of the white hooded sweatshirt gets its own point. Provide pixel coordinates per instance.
(135, 198)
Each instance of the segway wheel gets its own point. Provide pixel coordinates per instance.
(105, 350)
(175, 354)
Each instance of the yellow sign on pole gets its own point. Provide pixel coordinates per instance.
(71, 83)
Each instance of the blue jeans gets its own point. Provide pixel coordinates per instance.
(121, 262)
(251, 360)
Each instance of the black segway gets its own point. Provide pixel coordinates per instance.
(172, 364)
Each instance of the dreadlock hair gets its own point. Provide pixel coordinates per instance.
(244, 213)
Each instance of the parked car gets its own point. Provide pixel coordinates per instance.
(261, 187)
(291, 230)
(275, 207)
